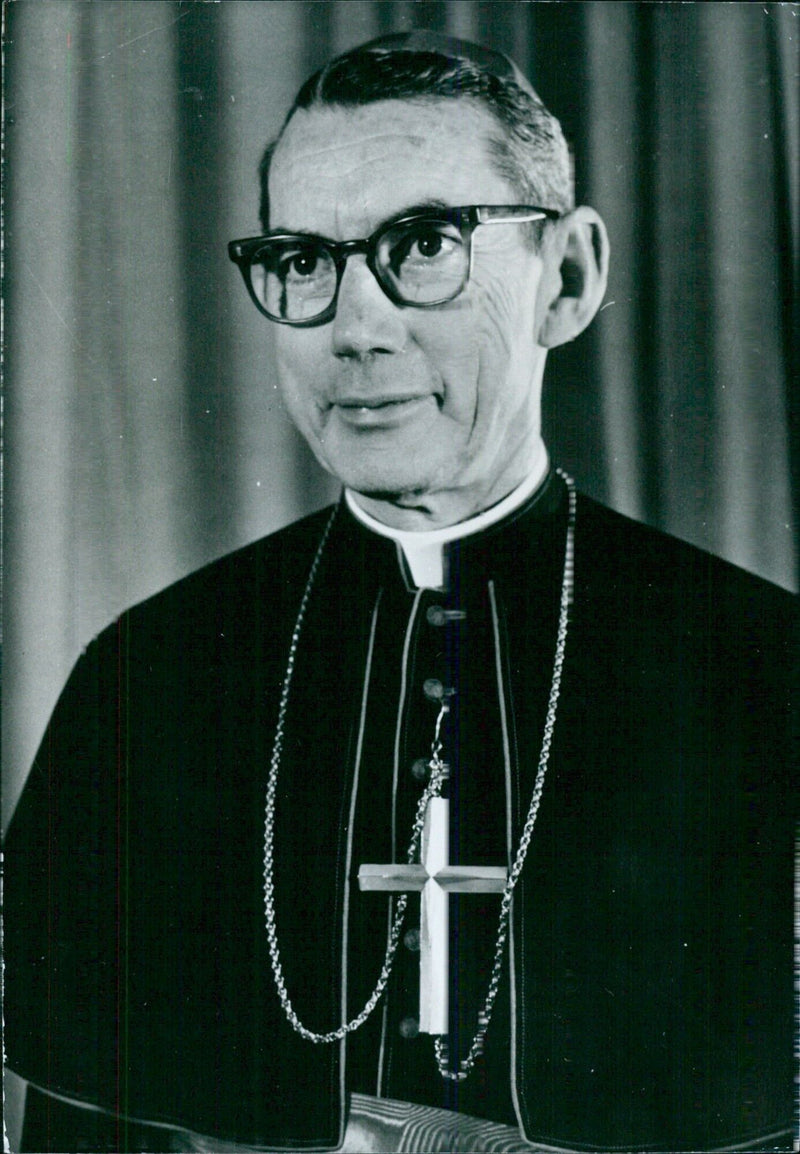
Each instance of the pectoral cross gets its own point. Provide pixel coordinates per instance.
(435, 878)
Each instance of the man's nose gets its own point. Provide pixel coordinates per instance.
(366, 320)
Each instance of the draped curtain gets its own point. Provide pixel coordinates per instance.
(143, 431)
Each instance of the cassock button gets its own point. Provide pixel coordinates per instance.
(434, 690)
(420, 769)
(411, 940)
(409, 1028)
(436, 615)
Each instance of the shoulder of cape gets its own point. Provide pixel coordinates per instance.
(622, 548)
(273, 563)
(263, 579)
(211, 624)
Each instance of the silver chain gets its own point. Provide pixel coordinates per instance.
(433, 789)
(438, 775)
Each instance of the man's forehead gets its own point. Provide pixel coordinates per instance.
(391, 149)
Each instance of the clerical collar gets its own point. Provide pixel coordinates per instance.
(424, 550)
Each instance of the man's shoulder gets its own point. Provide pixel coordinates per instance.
(278, 557)
(265, 573)
(221, 632)
(649, 602)
(632, 555)
(242, 604)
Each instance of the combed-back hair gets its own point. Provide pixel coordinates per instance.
(528, 149)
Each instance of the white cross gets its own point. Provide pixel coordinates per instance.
(435, 878)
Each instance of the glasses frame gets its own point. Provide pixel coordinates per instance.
(467, 218)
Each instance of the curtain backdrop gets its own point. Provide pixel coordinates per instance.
(143, 431)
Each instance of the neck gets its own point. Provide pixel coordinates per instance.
(440, 509)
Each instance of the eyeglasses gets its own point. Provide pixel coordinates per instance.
(422, 260)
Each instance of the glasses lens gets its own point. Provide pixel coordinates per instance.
(424, 261)
(293, 279)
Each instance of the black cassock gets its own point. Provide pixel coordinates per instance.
(646, 998)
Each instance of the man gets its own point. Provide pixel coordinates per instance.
(567, 732)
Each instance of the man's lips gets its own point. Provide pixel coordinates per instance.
(379, 410)
(377, 402)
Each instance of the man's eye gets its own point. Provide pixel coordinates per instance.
(428, 245)
(416, 249)
(298, 265)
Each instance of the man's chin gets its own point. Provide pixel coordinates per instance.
(394, 475)
(404, 494)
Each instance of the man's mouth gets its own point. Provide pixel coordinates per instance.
(380, 410)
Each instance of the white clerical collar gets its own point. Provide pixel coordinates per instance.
(424, 551)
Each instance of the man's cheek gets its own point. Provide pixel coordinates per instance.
(460, 372)
(300, 406)
(300, 378)
(493, 339)
(496, 317)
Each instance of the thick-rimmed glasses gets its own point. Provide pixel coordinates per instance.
(423, 260)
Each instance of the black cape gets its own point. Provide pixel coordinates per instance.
(646, 999)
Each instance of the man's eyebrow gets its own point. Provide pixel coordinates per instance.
(434, 204)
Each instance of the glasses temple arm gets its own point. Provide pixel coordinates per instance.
(515, 214)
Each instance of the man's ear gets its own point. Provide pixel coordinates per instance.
(574, 277)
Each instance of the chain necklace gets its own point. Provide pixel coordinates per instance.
(433, 789)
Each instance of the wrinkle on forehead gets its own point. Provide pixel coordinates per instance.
(352, 168)
(340, 163)
(379, 139)
(349, 160)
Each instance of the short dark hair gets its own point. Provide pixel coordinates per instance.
(529, 150)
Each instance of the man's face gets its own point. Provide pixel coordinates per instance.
(435, 410)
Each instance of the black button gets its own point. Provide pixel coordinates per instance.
(420, 769)
(433, 689)
(409, 1028)
(411, 940)
(436, 615)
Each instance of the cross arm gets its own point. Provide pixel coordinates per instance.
(472, 879)
(393, 877)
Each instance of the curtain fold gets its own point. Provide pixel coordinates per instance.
(144, 434)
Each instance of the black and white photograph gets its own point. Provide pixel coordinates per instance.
(399, 492)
